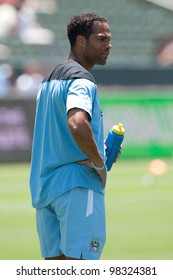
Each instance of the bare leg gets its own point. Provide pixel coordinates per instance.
(62, 257)
(68, 258)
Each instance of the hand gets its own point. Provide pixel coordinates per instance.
(119, 153)
(101, 172)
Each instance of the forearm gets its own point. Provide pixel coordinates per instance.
(84, 139)
(83, 136)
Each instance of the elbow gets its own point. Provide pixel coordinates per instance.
(74, 127)
(78, 122)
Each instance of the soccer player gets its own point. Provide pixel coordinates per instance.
(68, 172)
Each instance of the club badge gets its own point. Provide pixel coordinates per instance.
(95, 244)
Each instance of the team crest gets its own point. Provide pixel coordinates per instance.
(95, 244)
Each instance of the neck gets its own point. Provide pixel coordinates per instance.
(80, 59)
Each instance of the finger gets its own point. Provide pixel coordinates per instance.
(82, 161)
(102, 175)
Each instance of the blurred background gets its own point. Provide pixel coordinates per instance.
(135, 88)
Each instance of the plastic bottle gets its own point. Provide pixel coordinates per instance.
(113, 143)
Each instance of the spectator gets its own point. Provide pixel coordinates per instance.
(8, 18)
(27, 83)
(30, 31)
(6, 72)
(19, 17)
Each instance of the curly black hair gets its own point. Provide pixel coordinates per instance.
(81, 24)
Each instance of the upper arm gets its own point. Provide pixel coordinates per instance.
(80, 96)
(77, 117)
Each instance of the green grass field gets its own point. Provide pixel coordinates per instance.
(139, 213)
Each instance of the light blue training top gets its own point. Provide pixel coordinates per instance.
(54, 152)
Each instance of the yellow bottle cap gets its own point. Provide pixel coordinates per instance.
(119, 129)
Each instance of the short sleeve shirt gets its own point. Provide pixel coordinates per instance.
(54, 152)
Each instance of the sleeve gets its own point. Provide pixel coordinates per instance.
(80, 95)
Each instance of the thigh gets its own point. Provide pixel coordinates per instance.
(95, 226)
(82, 223)
(48, 228)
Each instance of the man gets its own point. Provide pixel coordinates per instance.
(68, 172)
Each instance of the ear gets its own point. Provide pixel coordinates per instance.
(80, 40)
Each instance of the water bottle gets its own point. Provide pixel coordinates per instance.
(113, 143)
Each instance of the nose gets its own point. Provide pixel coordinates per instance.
(110, 46)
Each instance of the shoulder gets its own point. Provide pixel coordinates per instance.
(70, 70)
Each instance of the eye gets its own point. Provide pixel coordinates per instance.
(101, 39)
(104, 39)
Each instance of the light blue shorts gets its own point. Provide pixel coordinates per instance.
(73, 225)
